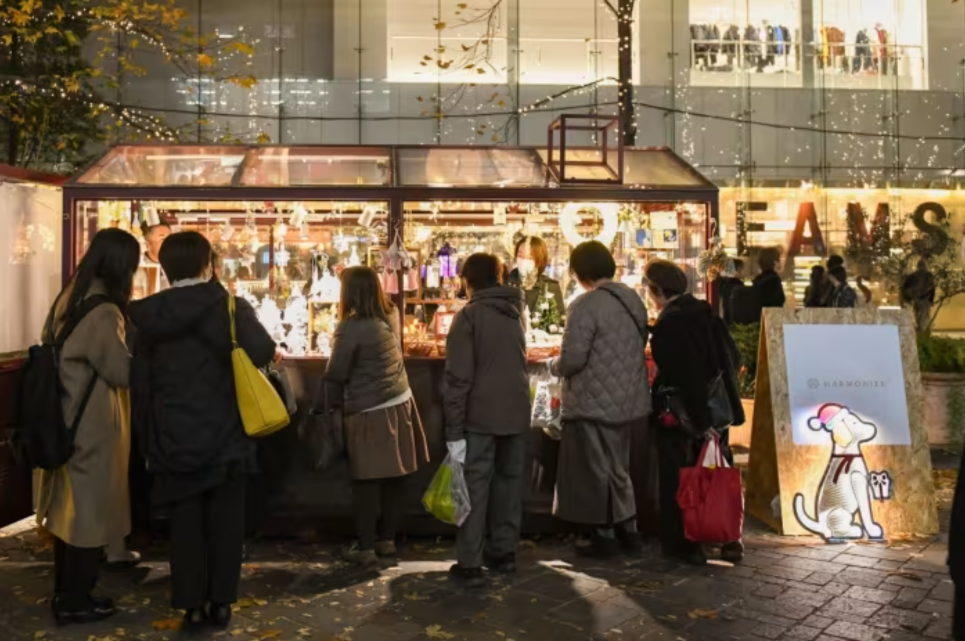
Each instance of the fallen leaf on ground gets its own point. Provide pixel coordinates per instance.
(166, 624)
(436, 632)
(702, 614)
(269, 634)
(905, 575)
(415, 596)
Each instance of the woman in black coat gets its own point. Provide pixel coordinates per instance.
(184, 402)
(956, 555)
(690, 346)
(532, 259)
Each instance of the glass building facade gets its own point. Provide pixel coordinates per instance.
(788, 105)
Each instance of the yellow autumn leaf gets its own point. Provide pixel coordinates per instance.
(501, 103)
(245, 82)
(205, 60)
(702, 614)
(263, 138)
(440, 26)
(166, 624)
(269, 634)
(7, 39)
(58, 13)
(241, 47)
(462, 5)
(436, 632)
(480, 70)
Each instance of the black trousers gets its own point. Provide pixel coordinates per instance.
(207, 541)
(372, 498)
(75, 575)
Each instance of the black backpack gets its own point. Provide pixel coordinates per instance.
(42, 437)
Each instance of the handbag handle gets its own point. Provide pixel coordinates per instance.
(231, 321)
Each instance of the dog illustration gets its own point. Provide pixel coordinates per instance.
(845, 490)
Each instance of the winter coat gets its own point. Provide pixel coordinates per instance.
(85, 503)
(486, 384)
(602, 358)
(956, 533)
(690, 346)
(186, 408)
(844, 296)
(727, 287)
(543, 283)
(367, 362)
(770, 289)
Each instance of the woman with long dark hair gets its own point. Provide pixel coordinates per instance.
(85, 504)
(383, 432)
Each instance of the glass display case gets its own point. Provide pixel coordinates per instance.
(286, 221)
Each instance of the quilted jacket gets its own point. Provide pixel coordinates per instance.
(603, 360)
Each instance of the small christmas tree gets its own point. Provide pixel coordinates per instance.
(546, 316)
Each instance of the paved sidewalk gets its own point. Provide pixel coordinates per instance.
(787, 588)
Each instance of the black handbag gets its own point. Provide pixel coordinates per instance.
(322, 432)
(718, 404)
(279, 380)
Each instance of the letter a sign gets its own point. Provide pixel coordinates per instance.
(806, 215)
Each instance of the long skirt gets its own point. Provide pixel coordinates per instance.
(593, 485)
(385, 443)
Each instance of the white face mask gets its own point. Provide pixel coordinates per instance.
(526, 266)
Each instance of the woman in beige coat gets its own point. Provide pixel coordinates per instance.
(84, 504)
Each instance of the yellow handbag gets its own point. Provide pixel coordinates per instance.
(262, 410)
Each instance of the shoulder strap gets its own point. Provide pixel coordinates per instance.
(623, 303)
(75, 316)
(231, 321)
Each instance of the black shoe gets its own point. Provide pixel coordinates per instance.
(501, 564)
(630, 542)
(194, 620)
(597, 547)
(96, 610)
(220, 615)
(732, 552)
(469, 577)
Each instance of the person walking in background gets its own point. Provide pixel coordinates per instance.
(690, 346)
(85, 503)
(383, 432)
(727, 286)
(918, 290)
(767, 284)
(818, 289)
(842, 294)
(532, 259)
(487, 412)
(605, 393)
(187, 410)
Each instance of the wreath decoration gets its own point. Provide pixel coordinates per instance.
(570, 218)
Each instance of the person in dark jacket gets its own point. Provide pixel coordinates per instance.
(727, 286)
(532, 259)
(819, 288)
(184, 402)
(690, 346)
(956, 555)
(767, 284)
(842, 294)
(383, 432)
(487, 411)
(605, 395)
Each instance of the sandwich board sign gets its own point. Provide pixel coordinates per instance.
(838, 447)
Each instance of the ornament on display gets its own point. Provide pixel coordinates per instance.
(448, 261)
(353, 259)
(298, 215)
(227, 232)
(270, 317)
(570, 220)
(296, 317)
(715, 262)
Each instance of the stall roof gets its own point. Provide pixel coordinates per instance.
(300, 166)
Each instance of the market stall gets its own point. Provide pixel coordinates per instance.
(285, 221)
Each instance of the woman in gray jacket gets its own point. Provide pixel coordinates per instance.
(383, 432)
(605, 393)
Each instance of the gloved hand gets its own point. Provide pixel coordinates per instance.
(457, 450)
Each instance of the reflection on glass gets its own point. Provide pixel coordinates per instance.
(303, 166)
(150, 165)
(447, 167)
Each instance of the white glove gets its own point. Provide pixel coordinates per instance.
(457, 450)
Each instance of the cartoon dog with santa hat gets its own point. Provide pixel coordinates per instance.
(845, 490)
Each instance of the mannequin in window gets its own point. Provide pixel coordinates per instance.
(532, 258)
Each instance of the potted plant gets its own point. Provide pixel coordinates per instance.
(925, 270)
(747, 338)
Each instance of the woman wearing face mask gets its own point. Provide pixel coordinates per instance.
(532, 257)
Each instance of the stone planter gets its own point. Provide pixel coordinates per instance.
(944, 406)
(741, 436)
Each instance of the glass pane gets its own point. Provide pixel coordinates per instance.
(300, 166)
(467, 167)
(163, 166)
(31, 237)
(658, 168)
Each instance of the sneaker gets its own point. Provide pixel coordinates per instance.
(123, 559)
(732, 552)
(386, 548)
(469, 577)
(362, 558)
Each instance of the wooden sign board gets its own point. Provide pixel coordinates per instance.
(839, 447)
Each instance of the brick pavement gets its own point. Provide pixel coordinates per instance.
(794, 589)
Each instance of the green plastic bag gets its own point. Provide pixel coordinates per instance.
(447, 497)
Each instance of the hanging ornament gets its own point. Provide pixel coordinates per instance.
(447, 261)
(570, 219)
(714, 262)
(353, 259)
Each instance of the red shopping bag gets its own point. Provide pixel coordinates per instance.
(711, 498)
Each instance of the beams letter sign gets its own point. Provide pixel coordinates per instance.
(839, 448)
